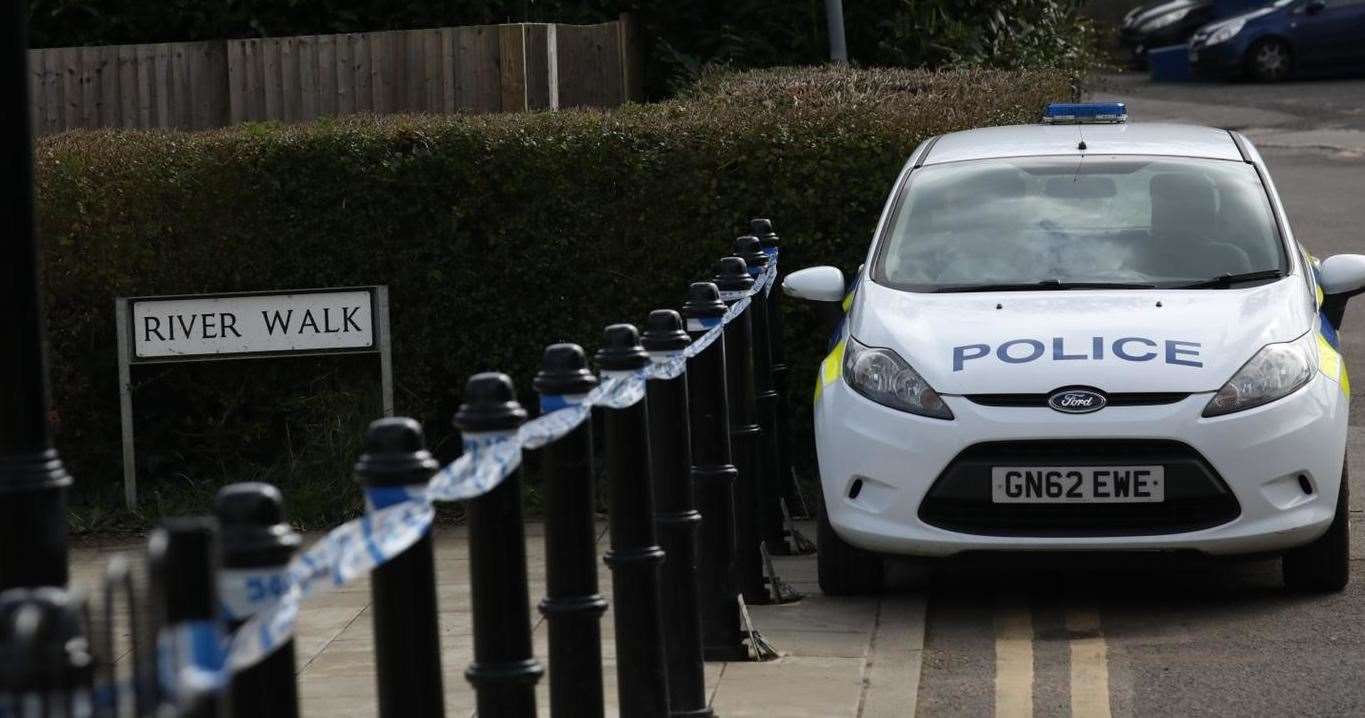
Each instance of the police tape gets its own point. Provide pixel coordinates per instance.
(397, 517)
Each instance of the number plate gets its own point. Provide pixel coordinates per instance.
(1077, 484)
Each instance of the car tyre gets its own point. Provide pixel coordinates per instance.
(1324, 566)
(844, 569)
(1269, 60)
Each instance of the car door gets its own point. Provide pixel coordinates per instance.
(1350, 34)
(1328, 33)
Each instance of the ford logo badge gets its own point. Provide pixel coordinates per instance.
(1076, 401)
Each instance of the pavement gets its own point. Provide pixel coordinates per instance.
(837, 657)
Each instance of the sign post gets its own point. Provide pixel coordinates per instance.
(247, 325)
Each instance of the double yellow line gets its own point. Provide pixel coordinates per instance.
(1014, 661)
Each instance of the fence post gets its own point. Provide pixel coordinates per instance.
(44, 654)
(182, 559)
(713, 477)
(796, 505)
(33, 483)
(407, 646)
(733, 280)
(257, 546)
(675, 514)
(634, 556)
(770, 522)
(632, 58)
(572, 607)
(504, 673)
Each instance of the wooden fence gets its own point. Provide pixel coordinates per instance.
(201, 85)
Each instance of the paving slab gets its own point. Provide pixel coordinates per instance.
(837, 656)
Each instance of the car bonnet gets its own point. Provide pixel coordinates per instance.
(1152, 12)
(1114, 340)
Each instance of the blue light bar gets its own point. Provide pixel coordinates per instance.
(1080, 113)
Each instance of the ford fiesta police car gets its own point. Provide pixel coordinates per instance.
(1084, 335)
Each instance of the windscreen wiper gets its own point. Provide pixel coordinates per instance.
(1043, 286)
(1225, 281)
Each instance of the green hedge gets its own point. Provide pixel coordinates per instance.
(497, 234)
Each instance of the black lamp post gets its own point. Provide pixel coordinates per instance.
(32, 481)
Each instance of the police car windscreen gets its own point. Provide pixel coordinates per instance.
(1137, 222)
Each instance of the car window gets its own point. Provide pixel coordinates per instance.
(1162, 221)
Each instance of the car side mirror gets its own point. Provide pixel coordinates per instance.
(1341, 277)
(1315, 6)
(1343, 274)
(818, 284)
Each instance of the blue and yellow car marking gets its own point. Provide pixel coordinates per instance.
(830, 368)
(833, 363)
(1330, 361)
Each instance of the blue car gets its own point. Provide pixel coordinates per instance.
(1286, 38)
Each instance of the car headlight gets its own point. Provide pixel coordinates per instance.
(884, 377)
(1223, 33)
(1276, 371)
(1166, 20)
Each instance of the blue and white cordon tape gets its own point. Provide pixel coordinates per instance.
(399, 516)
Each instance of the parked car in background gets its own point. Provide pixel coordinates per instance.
(1286, 38)
(1170, 22)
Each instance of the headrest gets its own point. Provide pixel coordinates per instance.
(1184, 189)
(996, 184)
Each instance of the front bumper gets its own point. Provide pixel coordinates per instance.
(1259, 454)
(1138, 42)
(1217, 62)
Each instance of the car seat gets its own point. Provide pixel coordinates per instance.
(1186, 232)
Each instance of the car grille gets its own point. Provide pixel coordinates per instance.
(1119, 399)
(1196, 497)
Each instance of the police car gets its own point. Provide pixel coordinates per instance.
(1084, 335)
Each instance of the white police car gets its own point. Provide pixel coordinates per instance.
(1084, 335)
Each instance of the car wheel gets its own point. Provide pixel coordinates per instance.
(1269, 60)
(844, 570)
(1324, 565)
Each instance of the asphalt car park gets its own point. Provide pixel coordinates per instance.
(1157, 635)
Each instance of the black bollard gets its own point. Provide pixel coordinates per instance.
(182, 561)
(45, 664)
(257, 546)
(733, 280)
(635, 556)
(33, 483)
(504, 672)
(713, 478)
(407, 645)
(763, 229)
(770, 521)
(676, 515)
(572, 607)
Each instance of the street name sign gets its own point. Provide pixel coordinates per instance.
(184, 328)
(246, 325)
